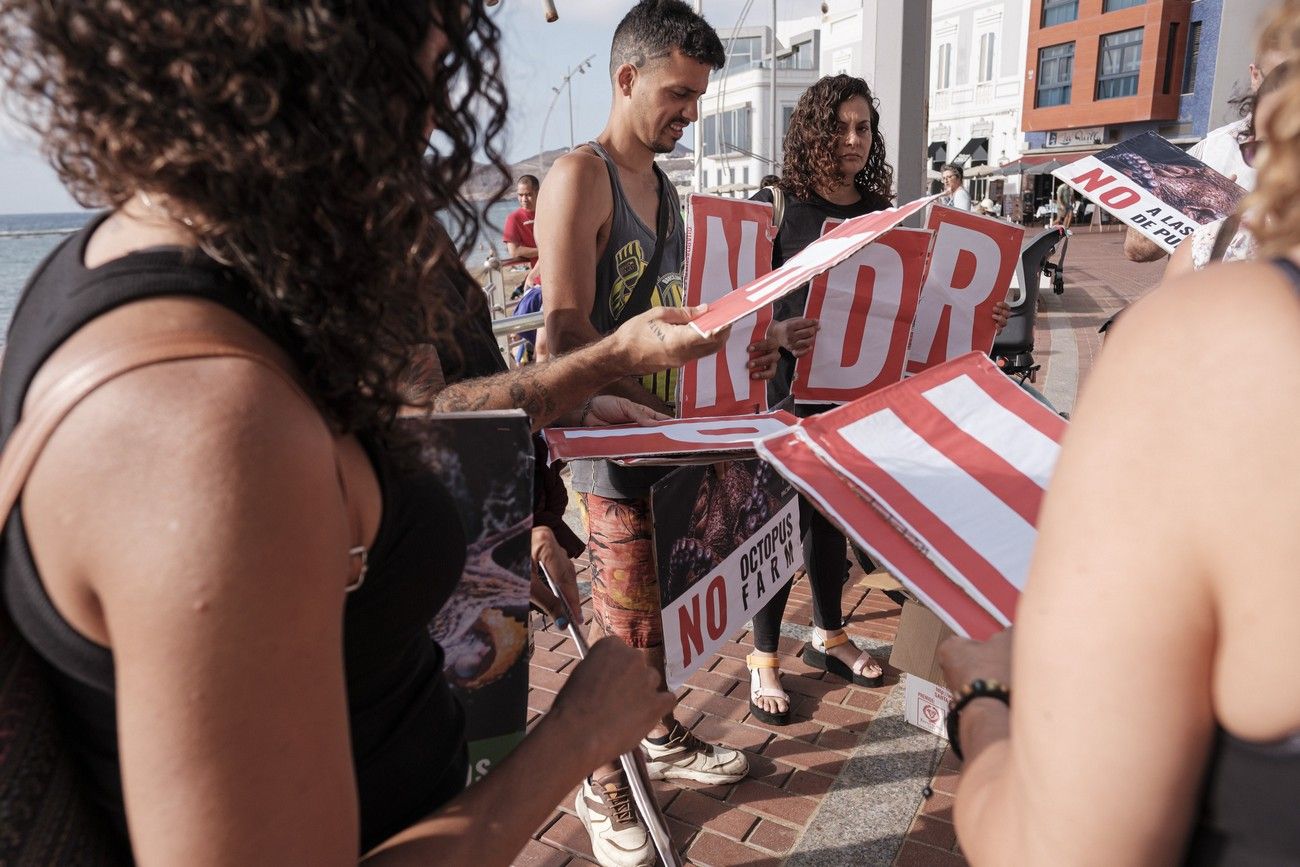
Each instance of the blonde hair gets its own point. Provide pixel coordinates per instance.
(1275, 204)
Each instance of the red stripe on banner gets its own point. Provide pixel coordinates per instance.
(986, 466)
(1000, 592)
(852, 514)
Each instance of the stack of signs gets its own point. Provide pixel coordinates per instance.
(722, 557)
(821, 255)
(485, 461)
(666, 443)
(1155, 187)
(940, 477)
(890, 302)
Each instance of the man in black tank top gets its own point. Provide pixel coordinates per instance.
(611, 244)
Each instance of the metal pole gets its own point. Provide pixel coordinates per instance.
(773, 105)
(568, 83)
(541, 145)
(699, 127)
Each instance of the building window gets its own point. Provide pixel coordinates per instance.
(1193, 55)
(727, 132)
(1055, 72)
(987, 43)
(943, 75)
(744, 174)
(1117, 68)
(1112, 5)
(1059, 11)
(744, 53)
(787, 112)
(800, 57)
(1170, 49)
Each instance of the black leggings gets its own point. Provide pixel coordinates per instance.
(824, 558)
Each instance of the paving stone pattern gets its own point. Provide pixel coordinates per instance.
(842, 784)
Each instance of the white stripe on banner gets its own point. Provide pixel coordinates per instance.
(1006, 434)
(972, 511)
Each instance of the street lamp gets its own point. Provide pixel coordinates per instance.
(566, 84)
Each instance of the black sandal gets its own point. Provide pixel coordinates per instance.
(815, 654)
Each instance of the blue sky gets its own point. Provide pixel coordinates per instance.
(535, 55)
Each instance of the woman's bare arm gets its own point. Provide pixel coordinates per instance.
(1117, 632)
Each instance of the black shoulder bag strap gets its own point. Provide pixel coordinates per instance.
(639, 300)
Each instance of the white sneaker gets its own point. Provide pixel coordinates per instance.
(686, 757)
(618, 836)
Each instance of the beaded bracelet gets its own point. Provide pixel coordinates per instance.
(975, 689)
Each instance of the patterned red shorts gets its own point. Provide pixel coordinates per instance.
(624, 586)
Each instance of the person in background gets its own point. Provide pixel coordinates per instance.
(1231, 239)
(769, 181)
(1064, 206)
(835, 168)
(518, 234)
(1166, 558)
(1219, 150)
(954, 188)
(987, 208)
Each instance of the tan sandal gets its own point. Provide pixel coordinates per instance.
(756, 663)
(816, 654)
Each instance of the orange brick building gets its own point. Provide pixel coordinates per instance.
(1095, 64)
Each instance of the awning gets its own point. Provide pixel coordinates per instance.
(938, 153)
(1039, 164)
(976, 152)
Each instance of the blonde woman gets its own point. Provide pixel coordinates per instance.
(1156, 714)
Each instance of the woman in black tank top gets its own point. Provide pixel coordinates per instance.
(1154, 709)
(228, 568)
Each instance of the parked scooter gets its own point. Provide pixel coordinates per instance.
(1013, 349)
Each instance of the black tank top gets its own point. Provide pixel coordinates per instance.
(1249, 814)
(407, 729)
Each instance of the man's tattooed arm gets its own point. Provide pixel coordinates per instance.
(546, 391)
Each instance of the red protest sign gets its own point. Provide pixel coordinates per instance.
(853, 513)
(671, 441)
(972, 260)
(826, 252)
(953, 461)
(865, 306)
(728, 244)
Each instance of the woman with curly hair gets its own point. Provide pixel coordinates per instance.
(1146, 709)
(835, 168)
(225, 563)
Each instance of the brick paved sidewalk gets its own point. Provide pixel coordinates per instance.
(842, 784)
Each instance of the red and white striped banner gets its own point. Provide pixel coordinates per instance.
(821, 255)
(728, 244)
(729, 436)
(951, 466)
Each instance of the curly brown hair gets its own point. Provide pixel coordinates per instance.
(810, 142)
(292, 134)
(1275, 205)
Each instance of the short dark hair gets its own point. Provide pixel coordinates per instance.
(769, 181)
(653, 28)
(955, 169)
(531, 180)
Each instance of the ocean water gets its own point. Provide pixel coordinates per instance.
(25, 239)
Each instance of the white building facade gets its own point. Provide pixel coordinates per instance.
(977, 67)
(735, 126)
